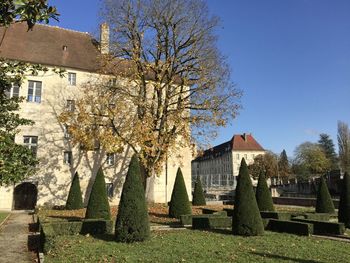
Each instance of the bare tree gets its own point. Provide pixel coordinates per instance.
(344, 145)
(171, 79)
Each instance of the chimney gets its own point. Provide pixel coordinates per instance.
(245, 137)
(104, 38)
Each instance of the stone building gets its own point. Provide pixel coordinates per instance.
(218, 167)
(46, 95)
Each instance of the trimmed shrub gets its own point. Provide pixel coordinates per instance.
(132, 222)
(211, 222)
(74, 200)
(324, 228)
(291, 227)
(263, 195)
(98, 206)
(276, 215)
(324, 203)
(344, 202)
(317, 216)
(229, 211)
(187, 219)
(246, 216)
(198, 194)
(179, 203)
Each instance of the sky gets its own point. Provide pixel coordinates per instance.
(291, 58)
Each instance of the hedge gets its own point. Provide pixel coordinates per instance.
(317, 216)
(324, 228)
(212, 211)
(263, 195)
(324, 202)
(229, 211)
(48, 231)
(291, 227)
(186, 220)
(74, 200)
(198, 194)
(211, 222)
(276, 215)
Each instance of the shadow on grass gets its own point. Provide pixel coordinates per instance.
(282, 258)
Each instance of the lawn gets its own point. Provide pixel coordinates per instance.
(3, 215)
(200, 246)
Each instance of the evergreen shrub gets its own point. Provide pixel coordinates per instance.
(324, 203)
(263, 195)
(74, 200)
(132, 222)
(198, 194)
(344, 202)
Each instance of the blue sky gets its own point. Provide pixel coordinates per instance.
(291, 58)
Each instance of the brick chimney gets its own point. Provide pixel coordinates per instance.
(104, 38)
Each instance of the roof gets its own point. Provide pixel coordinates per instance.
(239, 142)
(45, 45)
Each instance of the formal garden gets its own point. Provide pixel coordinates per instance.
(252, 230)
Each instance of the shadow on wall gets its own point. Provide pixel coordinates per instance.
(54, 176)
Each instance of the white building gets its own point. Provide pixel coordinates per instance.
(218, 167)
(46, 95)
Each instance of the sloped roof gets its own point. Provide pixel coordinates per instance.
(245, 142)
(45, 45)
(239, 142)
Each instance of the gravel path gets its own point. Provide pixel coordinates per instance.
(14, 239)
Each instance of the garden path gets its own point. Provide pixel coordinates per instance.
(14, 238)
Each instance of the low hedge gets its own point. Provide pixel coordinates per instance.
(208, 211)
(317, 216)
(291, 227)
(212, 222)
(48, 231)
(187, 219)
(276, 215)
(229, 211)
(324, 228)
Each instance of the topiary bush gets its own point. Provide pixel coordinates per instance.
(98, 206)
(198, 194)
(344, 202)
(263, 195)
(132, 222)
(324, 203)
(246, 216)
(74, 200)
(179, 203)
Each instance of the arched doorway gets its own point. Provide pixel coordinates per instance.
(25, 196)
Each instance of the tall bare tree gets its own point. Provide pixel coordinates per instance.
(171, 80)
(344, 145)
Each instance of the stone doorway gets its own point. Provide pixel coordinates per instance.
(25, 196)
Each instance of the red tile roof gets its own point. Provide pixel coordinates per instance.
(239, 142)
(245, 142)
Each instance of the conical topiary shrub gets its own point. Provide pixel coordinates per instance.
(198, 194)
(98, 206)
(74, 200)
(132, 222)
(246, 220)
(344, 202)
(324, 203)
(263, 195)
(179, 203)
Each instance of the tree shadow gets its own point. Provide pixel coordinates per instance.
(286, 258)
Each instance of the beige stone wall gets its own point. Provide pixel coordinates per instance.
(247, 155)
(53, 177)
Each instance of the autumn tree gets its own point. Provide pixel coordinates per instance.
(16, 161)
(283, 165)
(344, 145)
(310, 160)
(166, 74)
(327, 145)
(264, 163)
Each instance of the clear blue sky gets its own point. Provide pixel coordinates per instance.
(291, 58)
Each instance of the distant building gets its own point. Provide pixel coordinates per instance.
(218, 167)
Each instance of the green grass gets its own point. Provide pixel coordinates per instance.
(3, 215)
(200, 246)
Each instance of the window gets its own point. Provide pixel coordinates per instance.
(237, 156)
(71, 105)
(32, 143)
(72, 79)
(66, 131)
(13, 91)
(110, 158)
(67, 157)
(245, 157)
(109, 189)
(34, 91)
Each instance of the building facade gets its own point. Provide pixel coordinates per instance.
(218, 167)
(46, 96)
